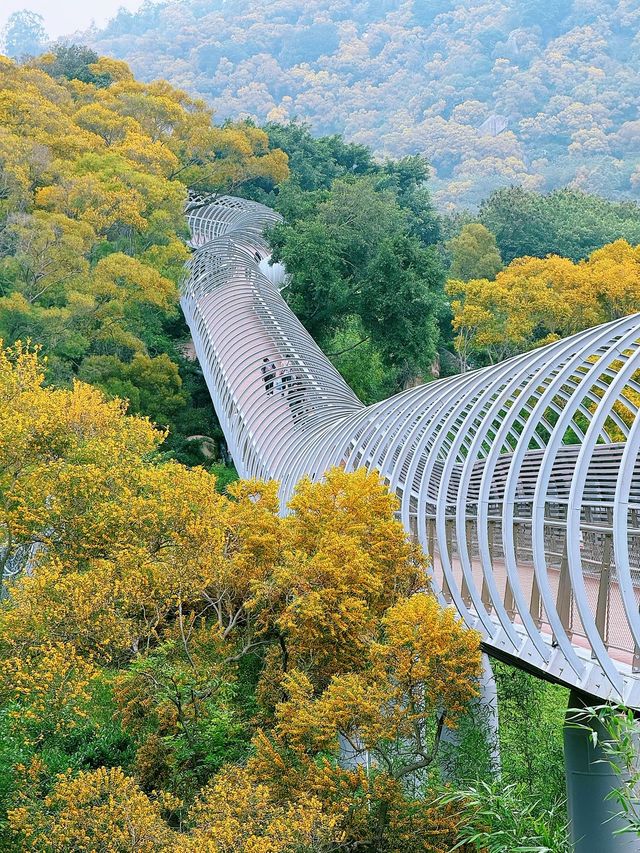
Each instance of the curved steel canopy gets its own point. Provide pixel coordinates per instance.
(522, 479)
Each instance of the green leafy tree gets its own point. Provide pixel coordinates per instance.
(73, 62)
(152, 386)
(409, 177)
(359, 362)
(316, 161)
(351, 253)
(568, 223)
(474, 253)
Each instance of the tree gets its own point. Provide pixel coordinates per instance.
(46, 689)
(44, 253)
(44, 429)
(403, 299)
(536, 300)
(350, 253)
(101, 809)
(385, 719)
(474, 254)
(223, 159)
(567, 222)
(94, 168)
(393, 705)
(24, 34)
(409, 177)
(234, 814)
(360, 363)
(151, 385)
(336, 577)
(315, 162)
(518, 94)
(230, 651)
(74, 62)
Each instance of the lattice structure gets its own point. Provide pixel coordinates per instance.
(522, 480)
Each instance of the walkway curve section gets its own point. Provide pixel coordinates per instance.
(521, 479)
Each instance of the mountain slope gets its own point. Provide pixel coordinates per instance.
(538, 92)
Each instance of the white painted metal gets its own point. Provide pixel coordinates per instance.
(521, 479)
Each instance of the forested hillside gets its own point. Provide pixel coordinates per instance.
(538, 92)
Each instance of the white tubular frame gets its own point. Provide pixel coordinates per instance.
(521, 480)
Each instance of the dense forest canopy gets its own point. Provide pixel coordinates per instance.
(386, 321)
(541, 93)
(94, 170)
(180, 668)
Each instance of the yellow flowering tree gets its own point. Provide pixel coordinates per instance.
(535, 300)
(101, 809)
(234, 814)
(94, 174)
(204, 647)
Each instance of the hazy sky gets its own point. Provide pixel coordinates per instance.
(62, 17)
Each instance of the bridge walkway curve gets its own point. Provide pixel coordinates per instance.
(522, 479)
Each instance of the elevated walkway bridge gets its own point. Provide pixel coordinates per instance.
(521, 480)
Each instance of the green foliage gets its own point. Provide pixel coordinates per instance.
(152, 386)
(470, 752)
(315, 162)
(359, 362)
(408, 177)
(183, 716)
(497, 818)
(99, 741)
(351, 254)
(224, 474)
(527, 804)
(73, 61)
(567, 222)
(474, 253)
(531, 715)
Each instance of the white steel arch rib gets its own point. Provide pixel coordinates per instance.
(521, 480)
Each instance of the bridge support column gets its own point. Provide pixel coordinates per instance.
(590, 778)
(488, 705)
(484, 718)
